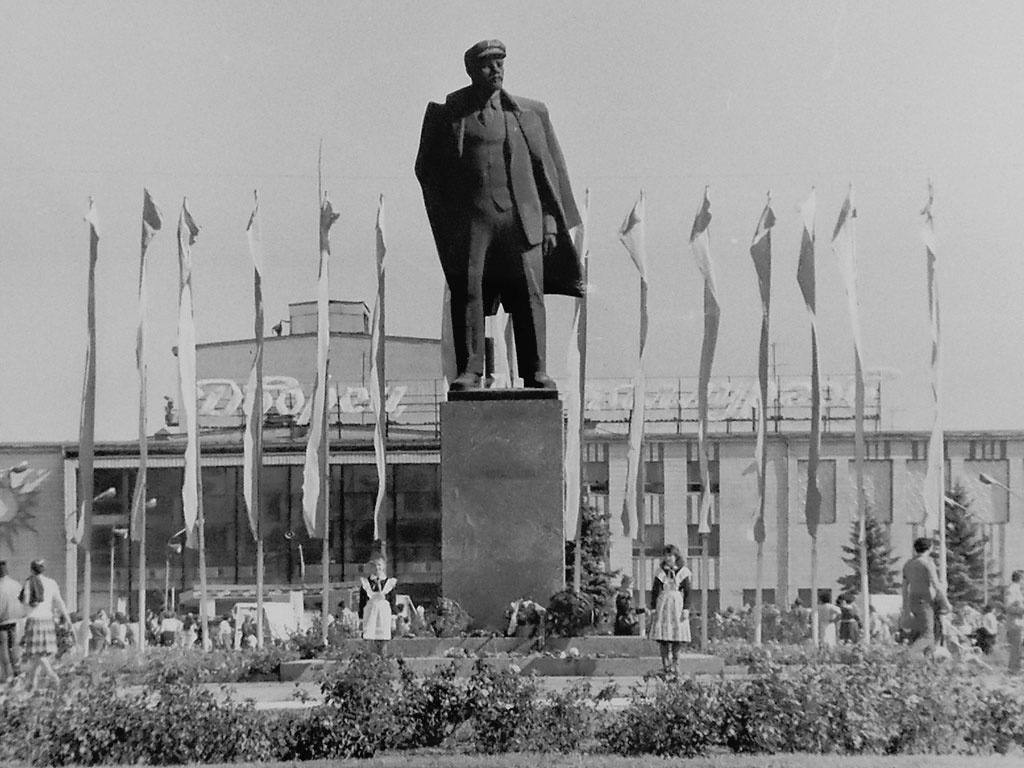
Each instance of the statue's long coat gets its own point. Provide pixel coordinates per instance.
(532, 149)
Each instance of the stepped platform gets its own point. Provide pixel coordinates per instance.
(599, 656)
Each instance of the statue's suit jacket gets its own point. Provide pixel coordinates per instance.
(532, 150)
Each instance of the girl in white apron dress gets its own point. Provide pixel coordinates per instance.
(670, 622)
(376, 606)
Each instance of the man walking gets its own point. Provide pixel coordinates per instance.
(921, 588)
(10, 612)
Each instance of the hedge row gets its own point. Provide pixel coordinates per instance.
(866, 706)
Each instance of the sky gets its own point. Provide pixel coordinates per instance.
(213, 100)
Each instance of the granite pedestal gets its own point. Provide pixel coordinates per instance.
(502, 531)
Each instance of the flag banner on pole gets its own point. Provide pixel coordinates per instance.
(844, 247)
(576, 370)
(761, 253)
(252, 407)
(700, 245)
(806, 279)
(313, 512)
(80, 524)
(187, 232)
(152, 221)
(934, 482)
(377, 375)
(632, 236)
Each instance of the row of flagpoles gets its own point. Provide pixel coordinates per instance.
(632, 236)
(315, 496)
(315, 485)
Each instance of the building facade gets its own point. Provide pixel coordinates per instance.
(38, 482)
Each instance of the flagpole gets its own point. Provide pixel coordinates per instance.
(86, 484)
(151, 223)
(641, 475)
(325, 554)
(581, 341)
(378, 382)
(865, 636)
(761, 253)
(805, 277)
(257, 467)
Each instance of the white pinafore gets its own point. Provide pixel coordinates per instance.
(377, 614)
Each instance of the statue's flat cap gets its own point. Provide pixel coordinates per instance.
(485, 49)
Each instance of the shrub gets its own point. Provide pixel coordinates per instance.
(170, 723)
(359, 716)
(565, 719)
(683, 718)
(502, 707)
(431, 708)
(445, 618)
(570, 613)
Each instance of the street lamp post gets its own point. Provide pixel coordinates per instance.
(115, 534)
(989, 480)
(175, 547)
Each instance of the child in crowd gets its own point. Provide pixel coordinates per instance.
(626, 622)
(121, 635)
(670, 622)
(985, 634)
(377, 605)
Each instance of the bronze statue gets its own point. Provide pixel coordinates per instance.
(500, 206)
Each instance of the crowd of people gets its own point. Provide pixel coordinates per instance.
(927, 622)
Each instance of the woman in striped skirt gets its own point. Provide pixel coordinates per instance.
(41, 596)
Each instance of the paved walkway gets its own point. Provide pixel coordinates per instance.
(282, 696)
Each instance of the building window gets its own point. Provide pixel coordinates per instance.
(693, 548)
(417, 514)
(826, 487)
(804, 595)
(750, 596)
(877, 488)
(694, 482)
(359, 494)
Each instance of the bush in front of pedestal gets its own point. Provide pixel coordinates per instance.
(136, 666)
(681, 719)
(446, 618)
(95, 723)
(432, 707)
(570, 613)
(359, 716)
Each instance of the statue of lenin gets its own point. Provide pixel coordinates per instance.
(500, 207)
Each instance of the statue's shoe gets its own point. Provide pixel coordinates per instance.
(540, 380)
(464, 382)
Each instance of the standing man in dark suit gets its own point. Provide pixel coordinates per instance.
(500, 206)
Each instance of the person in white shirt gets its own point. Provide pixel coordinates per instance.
(41, 595)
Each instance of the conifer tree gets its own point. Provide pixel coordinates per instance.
(883, 575)
(965, 550)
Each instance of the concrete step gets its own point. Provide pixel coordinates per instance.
(544, 665)
(429, 647)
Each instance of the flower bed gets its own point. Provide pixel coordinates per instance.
(868, 705)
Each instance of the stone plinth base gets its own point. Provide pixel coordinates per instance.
(502, 534)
